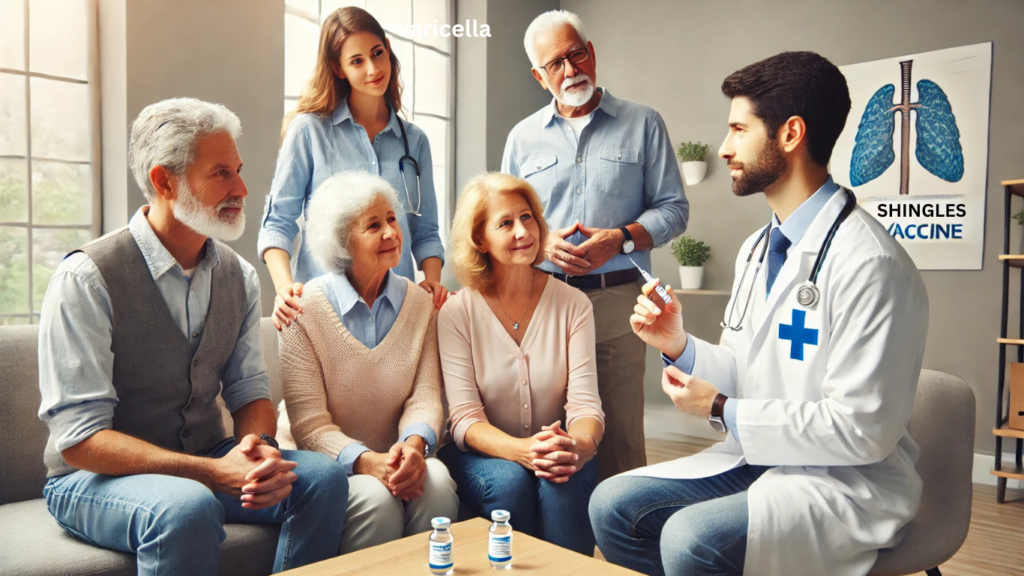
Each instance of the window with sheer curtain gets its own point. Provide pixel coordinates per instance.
(426, 61)
(49, 202)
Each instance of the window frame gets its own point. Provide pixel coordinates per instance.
(95, 148)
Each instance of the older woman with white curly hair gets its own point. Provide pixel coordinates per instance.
(362, 377)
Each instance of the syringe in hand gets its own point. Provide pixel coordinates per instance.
(659, 288)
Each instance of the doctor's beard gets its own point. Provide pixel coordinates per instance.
(761, 173)
(576, 99)
(208, 221)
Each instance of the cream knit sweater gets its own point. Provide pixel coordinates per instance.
(337, 391)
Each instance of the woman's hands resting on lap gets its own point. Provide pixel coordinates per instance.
(403, 470)
(554, 455)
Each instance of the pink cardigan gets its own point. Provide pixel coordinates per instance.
(518, 389)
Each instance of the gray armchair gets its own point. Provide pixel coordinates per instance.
(943, 426)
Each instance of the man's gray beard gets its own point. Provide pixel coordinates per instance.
(578, 99)
(207, 221)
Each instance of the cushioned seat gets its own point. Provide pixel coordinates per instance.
(943, 427)
(31, 541)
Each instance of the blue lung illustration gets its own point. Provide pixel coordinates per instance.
(873, 152)
(938, 138)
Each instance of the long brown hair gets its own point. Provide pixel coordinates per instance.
(325, 89)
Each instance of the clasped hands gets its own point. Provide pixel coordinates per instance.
(661, 325)
(601, 245)
(553, 454)
(255, 472)
(403, 470)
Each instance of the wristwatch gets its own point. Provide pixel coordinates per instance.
(270, 440)
(717, 409)
(627, 244)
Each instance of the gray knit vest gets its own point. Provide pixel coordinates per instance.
(165, 397)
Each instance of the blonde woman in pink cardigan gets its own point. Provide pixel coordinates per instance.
(520, 373)
(362, 381)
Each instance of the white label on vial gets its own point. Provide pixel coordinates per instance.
(499, 549)
(440, 555)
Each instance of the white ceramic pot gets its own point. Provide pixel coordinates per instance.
(693, 172)
(691, 277)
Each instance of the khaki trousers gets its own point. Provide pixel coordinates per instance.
(620, 379)
(375, 516)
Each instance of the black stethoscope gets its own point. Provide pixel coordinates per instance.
(807, 294)
(416, 168)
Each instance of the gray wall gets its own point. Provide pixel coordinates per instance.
(494, 87)
(228, 51)
(673, 56)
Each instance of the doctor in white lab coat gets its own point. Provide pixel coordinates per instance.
(817, 471)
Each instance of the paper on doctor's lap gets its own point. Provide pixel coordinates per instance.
(716, 460)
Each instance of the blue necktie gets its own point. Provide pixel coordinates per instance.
(777, 246)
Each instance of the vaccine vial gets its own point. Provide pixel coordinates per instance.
(499, 545)
(440, 556)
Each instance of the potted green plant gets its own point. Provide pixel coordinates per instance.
(691, 157)
(691, 255)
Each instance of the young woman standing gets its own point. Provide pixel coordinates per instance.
(347, 120)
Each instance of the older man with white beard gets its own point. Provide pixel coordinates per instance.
(606, 171)
(140, 331)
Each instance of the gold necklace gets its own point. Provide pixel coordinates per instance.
(515, 323)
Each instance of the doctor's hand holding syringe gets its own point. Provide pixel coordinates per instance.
(661, 325)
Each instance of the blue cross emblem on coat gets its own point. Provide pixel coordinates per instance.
(798, 335)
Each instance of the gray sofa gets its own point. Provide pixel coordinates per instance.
(31, 541)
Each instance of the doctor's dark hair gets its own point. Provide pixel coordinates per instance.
(801, 84)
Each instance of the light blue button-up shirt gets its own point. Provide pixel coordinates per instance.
(621, 170)
(317, 147)
(370, 326)
(793, 229)
(76, 365)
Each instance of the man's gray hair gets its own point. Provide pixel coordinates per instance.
(335, 207)
(166, 134)
(546, 22)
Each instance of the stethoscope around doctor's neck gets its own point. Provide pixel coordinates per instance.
(416, 168)
(807, 294)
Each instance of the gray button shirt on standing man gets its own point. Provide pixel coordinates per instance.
(605, 169)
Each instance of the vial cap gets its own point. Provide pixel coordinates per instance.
(500, 516)
(440, 522)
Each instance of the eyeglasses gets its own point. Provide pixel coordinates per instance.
(577, 57)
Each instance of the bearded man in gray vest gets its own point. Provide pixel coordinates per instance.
(140, 331)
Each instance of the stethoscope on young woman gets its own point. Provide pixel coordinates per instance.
(807, 294)
(416, 168)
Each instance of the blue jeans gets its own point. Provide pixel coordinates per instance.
(175, 526)
(659, 526)
(553, 512)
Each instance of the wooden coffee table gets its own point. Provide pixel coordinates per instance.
(409, 556)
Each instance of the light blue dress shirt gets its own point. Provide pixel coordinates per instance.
(621, 170)
(317, 147)
(76, 365)
(794, 229)
(370, 326)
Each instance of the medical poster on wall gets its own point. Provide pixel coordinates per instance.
(915, 151)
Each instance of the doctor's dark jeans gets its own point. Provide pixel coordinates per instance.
(556, 513)
(675, 527)
(174, 525)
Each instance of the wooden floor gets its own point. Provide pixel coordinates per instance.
(994, 545)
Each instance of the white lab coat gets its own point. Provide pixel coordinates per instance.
(834, 425)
